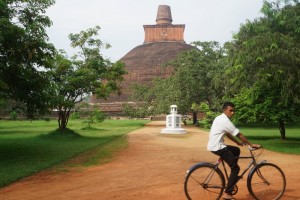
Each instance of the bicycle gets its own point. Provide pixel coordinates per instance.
(265, 180)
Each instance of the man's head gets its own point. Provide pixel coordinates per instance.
(228, 109)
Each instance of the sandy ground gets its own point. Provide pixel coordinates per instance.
(152, 168)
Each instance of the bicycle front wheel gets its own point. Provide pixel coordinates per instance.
(203, 182)
(267, 182)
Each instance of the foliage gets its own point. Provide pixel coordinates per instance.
(196, 74)
(135, 111)
(141, 106)
(75, 115)
(6, 107)
(265, 58)
(209, 115)
(9, 108)
(24, 49)
(13, 115)
(194, 80)
(85, 73)
(90, 114)
(145, 100)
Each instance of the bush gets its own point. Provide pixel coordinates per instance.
(95, 116)
(75, 115)
(208, 119)
(13, 115)
(90, 114)
(135, 111)
(47, 119)
(209, 115)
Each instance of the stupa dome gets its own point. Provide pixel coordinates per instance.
(145, 62)
(163, 43)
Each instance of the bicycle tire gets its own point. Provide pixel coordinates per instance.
(266, 181)
(195, 186)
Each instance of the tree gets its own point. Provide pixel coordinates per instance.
(265, 73)
(209, 115)
(85, 73)
(24, 48)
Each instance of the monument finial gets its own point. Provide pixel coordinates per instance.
(164, 15)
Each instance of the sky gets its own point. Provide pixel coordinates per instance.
(122, 21)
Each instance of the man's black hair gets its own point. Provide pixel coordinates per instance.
(226, 104)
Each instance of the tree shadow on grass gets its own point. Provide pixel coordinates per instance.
(65, 133)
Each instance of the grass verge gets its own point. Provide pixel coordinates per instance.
(269, 137)
(28, 147)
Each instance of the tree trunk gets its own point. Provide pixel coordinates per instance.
(195, 120)
(282, 129)
(62, 119)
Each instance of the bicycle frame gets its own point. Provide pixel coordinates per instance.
(252, 163)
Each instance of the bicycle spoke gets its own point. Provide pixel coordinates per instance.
(196, 180)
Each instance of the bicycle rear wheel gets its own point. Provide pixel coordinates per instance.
(267, 182)
(204, 182)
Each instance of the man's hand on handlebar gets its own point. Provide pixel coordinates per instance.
(256, 146)
(240, 143)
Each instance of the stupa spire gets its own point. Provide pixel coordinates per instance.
(164, 30)
(164, 15)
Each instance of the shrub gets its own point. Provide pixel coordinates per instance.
(95, 116)
(13, 115)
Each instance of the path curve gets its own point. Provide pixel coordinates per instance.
(151, 168)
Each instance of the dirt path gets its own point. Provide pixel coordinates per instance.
(151, 168)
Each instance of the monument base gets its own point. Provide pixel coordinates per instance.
(173, 131)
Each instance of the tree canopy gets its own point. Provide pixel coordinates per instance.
(24, 48)
(87, 72)
(265, 71)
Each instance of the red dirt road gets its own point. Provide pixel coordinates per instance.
(152, 168)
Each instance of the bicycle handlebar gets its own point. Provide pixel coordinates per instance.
(254, 148)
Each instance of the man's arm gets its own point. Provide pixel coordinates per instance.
(233, 139)
(246, 141)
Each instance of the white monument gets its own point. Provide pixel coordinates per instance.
(173, 122)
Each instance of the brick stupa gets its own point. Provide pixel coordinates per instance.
(163, 42)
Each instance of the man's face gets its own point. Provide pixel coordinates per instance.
(229, 111)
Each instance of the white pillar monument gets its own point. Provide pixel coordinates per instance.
(173, 122)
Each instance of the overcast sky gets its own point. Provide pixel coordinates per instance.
(122, 21)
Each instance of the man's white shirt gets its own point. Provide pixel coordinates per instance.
(220, 126)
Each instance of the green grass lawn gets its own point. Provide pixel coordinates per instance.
(28, 147)
(269, 137)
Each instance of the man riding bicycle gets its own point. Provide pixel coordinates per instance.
(222, 126)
